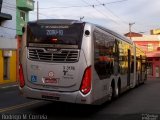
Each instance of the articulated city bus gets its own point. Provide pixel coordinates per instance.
(77, 62)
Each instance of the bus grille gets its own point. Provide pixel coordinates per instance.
(64, 55)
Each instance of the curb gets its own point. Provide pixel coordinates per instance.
(7, 85)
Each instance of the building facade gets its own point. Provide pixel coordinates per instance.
(8, 43)
(22, 17)
(155, 32)
(23, 8)
(13, 16)
(151, 45)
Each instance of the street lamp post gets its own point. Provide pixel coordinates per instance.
(130, 25)
(37, 10)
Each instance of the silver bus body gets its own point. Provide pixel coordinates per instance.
(96, 69)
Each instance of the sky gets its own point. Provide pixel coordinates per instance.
(113, 14)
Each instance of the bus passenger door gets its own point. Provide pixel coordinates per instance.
(129, 68)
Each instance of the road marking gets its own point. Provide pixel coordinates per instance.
(19, 106)
(9, 86)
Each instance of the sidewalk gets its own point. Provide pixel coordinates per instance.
(3, 85)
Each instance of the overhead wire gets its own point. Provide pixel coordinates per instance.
(104, 5)
(9, 28)
(75, 6)
(5, 32)
(124, 23)
(9, 6)
(89, 5)
(35, 12)
(99, 12)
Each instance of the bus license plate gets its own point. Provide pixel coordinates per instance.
(47, 80)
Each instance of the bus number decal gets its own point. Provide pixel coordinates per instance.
(67, 72)
(54, 32)
(69, 68)
(66, 69)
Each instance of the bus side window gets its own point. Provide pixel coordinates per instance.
(116, 58)
(103, 55)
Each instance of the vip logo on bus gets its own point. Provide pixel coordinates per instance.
(50, 79)
(51, 74)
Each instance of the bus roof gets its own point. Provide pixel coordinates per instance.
(116, 34)
(55, 21)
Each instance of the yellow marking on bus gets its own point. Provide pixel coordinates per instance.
(18, 106)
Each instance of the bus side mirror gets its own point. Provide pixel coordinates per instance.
(23, 29)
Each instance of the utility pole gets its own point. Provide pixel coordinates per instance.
(130, 25)
(81, 18)
(37, 10)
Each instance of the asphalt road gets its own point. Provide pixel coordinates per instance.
(140, 103)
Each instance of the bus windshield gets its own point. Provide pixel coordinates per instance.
(54, 35)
